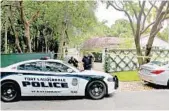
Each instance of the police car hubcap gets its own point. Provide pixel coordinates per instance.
(97, 89)
(9, 91)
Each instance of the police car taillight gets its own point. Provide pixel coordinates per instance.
(44, 58)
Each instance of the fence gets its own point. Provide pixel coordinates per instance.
(8, 59)
(126, 60)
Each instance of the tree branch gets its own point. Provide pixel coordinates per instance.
(135, 13)
(139, 17)
(153, 4)
(131, 22)
(147, 27)
(22, 12)
(110, 3)
(160, 11)
(145, 17)
(122, 10)
(158, 29)
(34, 16)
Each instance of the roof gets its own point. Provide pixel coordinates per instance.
(101, 42)
(158, 42)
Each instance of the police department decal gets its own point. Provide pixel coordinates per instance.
(45, 82)
(74, 81)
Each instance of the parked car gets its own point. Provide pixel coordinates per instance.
(49, 77)
(155, 72)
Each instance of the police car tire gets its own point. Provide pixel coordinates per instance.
(89, 89)
(15, 87)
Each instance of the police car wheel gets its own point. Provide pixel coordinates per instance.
(9, 92)
(96, 90)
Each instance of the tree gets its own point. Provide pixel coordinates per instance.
(57, 24)
(27, 24)
(14, 30)
(141, 14)
(121, 28)
(8, 8)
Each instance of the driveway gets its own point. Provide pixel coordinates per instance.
(139, 86)
(126, 100)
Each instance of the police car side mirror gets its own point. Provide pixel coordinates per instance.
(70, 70)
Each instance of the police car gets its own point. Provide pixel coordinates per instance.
(49, 77)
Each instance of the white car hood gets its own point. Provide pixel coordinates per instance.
(151, 66)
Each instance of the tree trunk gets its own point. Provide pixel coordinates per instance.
(155, 29)
(46, 39)
(138, 49)
(17, 43)
(62, 40)
(14, 32)
(6, 35)
(60, 50)
(27, 36)
(27, 25)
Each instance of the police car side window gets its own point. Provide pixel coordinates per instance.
(55, 67)
(32, 66)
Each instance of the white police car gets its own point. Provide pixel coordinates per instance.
(53, 78)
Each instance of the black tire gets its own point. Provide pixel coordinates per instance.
(168, 84)
(10, 92)
(96, 90)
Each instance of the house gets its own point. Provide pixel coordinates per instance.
(101, 43)
(157, 44)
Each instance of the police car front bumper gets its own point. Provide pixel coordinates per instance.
(116, 82)
(112, 85)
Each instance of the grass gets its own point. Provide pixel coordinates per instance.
(127, 76)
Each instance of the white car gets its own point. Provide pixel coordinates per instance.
(155, 72)
(49, 77)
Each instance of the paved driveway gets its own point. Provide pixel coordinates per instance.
(137, 100)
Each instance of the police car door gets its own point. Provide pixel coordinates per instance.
(59, 81)
(29, 75)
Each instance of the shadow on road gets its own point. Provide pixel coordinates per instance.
(42, 98)
(35, 98)
(154, 86)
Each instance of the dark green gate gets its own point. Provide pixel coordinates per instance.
(8, 59)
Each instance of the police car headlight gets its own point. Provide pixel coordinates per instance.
(110, 79)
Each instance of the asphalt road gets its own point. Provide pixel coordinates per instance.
(126, 100)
